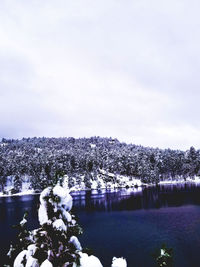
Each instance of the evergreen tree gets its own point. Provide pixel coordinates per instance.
(55, 242)
(165, 257)
(17, 184)
(87, 180)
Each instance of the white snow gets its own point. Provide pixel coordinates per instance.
(94, 185)
(119, 181)
(59, 225)
(42, 214)
(9, 254)
(23, 222)
(89, 261)
(25, 192)
(66, 199)
(171, 182)
(59, 191)
(26, 186)
(162, 252)
(3, 144)
(118, 262)
(102, 171)
(92, 145)
(20, 258)
(196, 179)
(46, 263)
(31, 249)
(32, 262)
(66, 215)
(44, 193)
(74, 240)
(65, 182)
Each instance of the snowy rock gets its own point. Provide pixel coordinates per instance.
(74, 240)
(46, 263)
(32, 262)
(42, 214)
(20, 259)
(59, 225)
(89, 261)
(118, 262)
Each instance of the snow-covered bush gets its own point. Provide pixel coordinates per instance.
(55, 242)
(164, 258)
(119, 262)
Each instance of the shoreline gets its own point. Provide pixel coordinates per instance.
(166, 182)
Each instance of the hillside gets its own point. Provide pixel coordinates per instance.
(89, 162)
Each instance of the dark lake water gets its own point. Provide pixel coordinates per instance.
(129, 223)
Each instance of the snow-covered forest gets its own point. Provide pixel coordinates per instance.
(35, 163)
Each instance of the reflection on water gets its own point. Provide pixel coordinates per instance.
(138, 198)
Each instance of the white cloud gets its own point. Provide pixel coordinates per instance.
(109, 68)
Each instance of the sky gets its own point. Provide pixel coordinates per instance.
(111, 68)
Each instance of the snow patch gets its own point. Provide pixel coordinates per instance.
(59, 225)
(32, 262)
(89, 261)
(65, 198)
(46, 263)
(20, 258)
(45, 193)
(66, 215)
(74, 240)
(42, 214)
(31, 249)
(118, 262)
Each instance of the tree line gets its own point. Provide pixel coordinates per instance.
(45, 159)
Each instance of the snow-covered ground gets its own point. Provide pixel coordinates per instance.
(181, 181)
(114, 182)
(22, 193)
(25, 188)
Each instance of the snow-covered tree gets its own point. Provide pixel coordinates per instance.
(17, 183)
(165, 258)
(55, 242)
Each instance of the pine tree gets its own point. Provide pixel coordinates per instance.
(55, 242)
(165, 257)
(17, 184)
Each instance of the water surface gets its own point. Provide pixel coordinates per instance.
(128, 222)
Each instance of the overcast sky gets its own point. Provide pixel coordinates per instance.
(111, 68)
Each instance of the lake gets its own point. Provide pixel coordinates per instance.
(132, 223)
